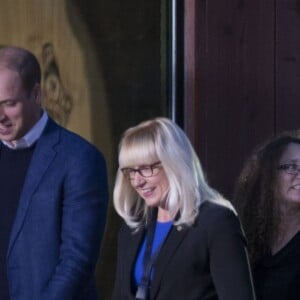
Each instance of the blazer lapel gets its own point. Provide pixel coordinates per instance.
(41, 159)
(171, 244)
(132, 249)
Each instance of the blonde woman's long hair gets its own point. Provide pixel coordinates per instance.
(162, 140)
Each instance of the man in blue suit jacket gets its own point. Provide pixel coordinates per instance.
(53, 194)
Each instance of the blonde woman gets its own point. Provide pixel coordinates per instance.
(181, 239)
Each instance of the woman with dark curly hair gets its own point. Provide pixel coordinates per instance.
(267, 198)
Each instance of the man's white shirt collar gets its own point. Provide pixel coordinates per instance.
(31, 136)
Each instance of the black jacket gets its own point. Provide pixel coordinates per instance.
(206, 261)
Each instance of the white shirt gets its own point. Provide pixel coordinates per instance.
(31, 136)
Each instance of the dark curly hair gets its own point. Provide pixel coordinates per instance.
(254, 195)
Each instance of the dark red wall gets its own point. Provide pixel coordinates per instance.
(241, 79)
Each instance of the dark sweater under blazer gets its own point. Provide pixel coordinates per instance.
(55, 238)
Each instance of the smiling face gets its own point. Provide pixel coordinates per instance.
(18, 110)
(288, 185)
(153, 189)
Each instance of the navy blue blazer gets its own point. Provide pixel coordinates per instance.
(207, 261)
(55, 239)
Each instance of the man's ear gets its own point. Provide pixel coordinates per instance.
(36, 94)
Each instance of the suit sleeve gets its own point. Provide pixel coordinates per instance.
(228, 257)
(84, 205)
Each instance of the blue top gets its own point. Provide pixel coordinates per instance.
(161, 231)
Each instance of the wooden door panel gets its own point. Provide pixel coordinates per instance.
(229, 83)
(288, 65)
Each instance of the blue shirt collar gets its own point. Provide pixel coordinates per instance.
(31, 136)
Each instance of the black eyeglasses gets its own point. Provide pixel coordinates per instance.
(144, 171)
(290, 168)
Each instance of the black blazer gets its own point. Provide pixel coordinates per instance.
(206, 261)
